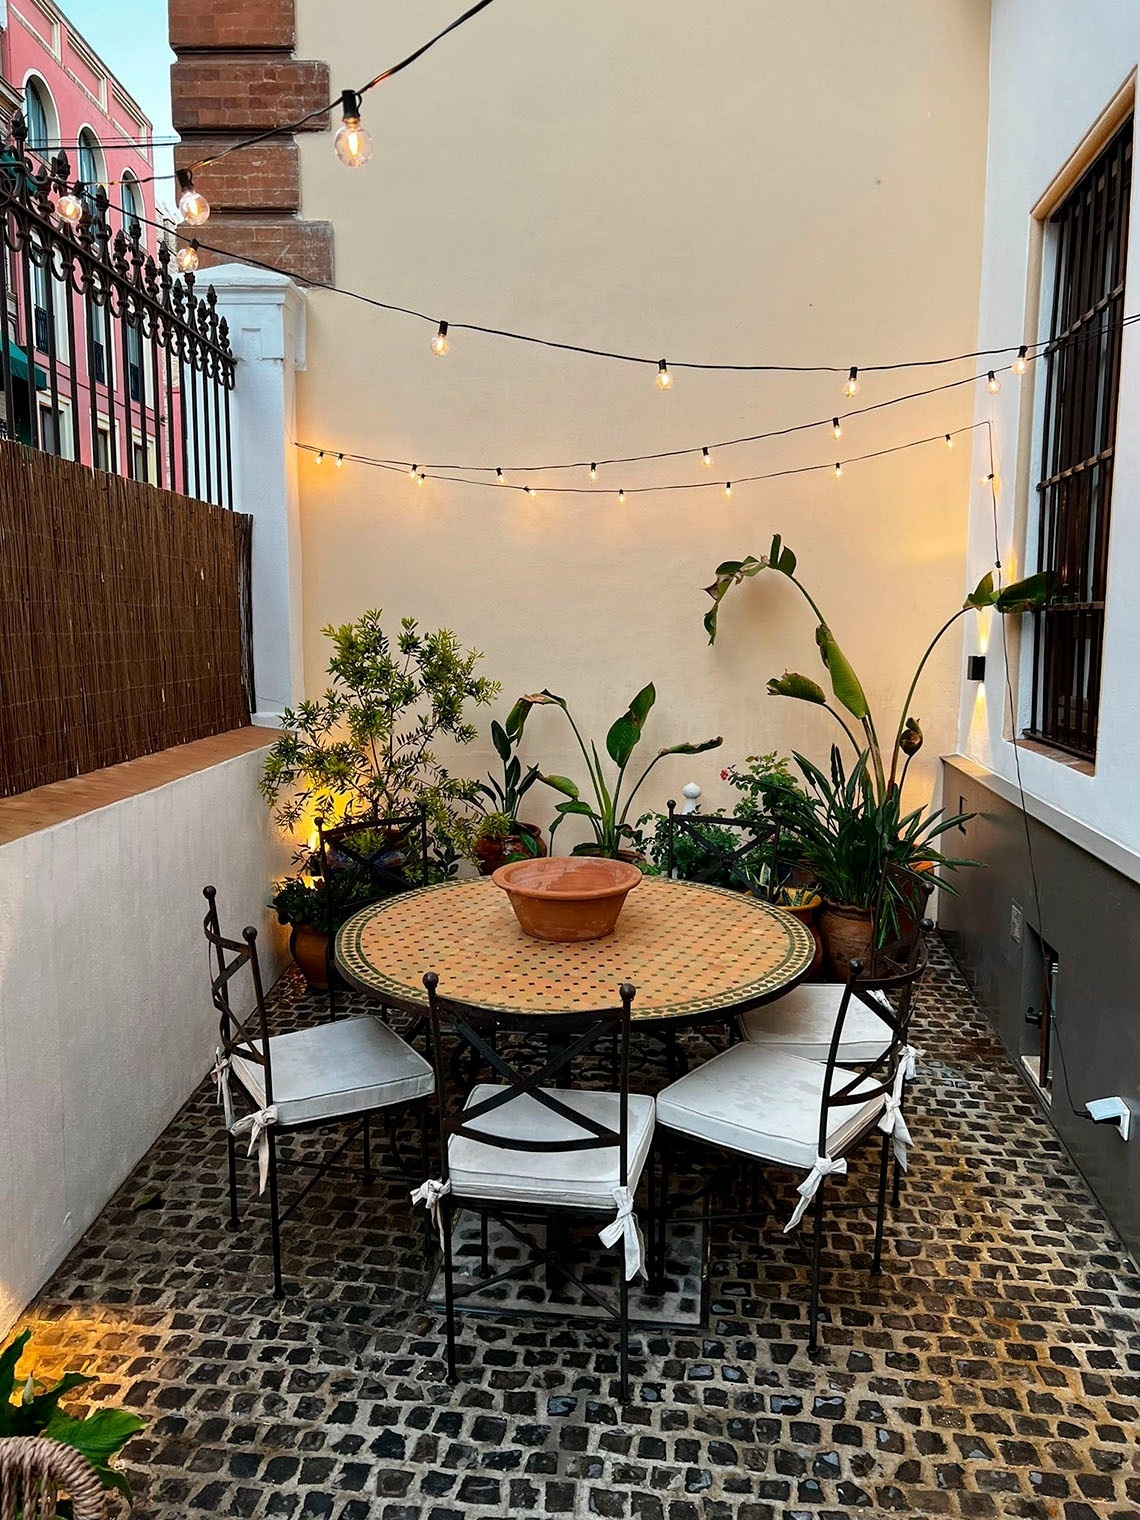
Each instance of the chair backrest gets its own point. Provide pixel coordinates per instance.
(366, 859)
(562, 1038)
(889, 994)
(245, 1035)
(753, 864)
(37, 1471)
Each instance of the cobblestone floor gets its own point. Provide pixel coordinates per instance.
(993, 1370)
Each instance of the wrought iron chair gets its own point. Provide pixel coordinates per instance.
(525, 1148)
(323, 1075)
(36, 1472)
(774, 1108)
(358, 868)
(753, 865)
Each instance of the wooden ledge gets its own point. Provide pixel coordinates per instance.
(61, 801)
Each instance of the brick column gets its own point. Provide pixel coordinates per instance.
(235, 76)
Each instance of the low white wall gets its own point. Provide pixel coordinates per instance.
(106, 1022)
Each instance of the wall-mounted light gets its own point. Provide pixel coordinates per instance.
(976, 667)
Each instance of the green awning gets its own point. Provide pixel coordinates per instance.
(18, 360)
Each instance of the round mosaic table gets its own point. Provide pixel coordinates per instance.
(693, 952)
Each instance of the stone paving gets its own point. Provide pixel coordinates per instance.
(993, 1370)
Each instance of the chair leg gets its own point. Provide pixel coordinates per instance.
(275, 1218)
(425, 1119)
(623, 1328)
(881, 1206)
(368, 1174)
(231, 1157)
(448, 1288)
(816, 1248)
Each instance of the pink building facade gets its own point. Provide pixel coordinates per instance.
(72, 102)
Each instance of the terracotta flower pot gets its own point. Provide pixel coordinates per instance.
(309, 948)
(846, 935)
(493, 853)
(569, 899)
(808, 911)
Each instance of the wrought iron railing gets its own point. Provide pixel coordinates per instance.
(107, 357)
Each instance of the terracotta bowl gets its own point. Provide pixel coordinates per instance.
(568, 898)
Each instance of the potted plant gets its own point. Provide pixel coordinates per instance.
(366, 748)
(36, 1412)
(608, 814)
(500, 836)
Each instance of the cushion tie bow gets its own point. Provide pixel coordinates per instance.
(221, 1076)
(891, 1121)
(823, 1167)
(624, 1227)
(909, 1057)
(429, 1193)
(258, 1125)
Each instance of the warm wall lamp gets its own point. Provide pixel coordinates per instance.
(976, 667)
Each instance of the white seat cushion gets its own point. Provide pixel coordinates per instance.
(581, 1179)
(803, 1020)
(332, 1070)
(766, 1104)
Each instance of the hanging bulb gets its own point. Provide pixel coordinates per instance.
(320, 456)
(530, 491)
(993, 384)
(193, 207)
(621, 494)
(339, 460)
(836, 430)
(69, 209)
(500, 477)
(439, 344)
(413, 472)
(664, 378)
(838, 469)
(949, 441)
(728, 488)
(851, 384)
(352, 144)
(421, 479)
(1021, 363)
(706, 458)
(187, 259)
(593, 472)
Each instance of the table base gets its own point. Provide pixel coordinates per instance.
(681, 1305)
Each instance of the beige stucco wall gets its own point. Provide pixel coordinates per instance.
(739, 180)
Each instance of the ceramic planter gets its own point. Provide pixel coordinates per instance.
(490, 854)
(570, 899)
(846, 934)
(309, 948)
(808, 912)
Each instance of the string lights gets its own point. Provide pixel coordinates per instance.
(352, 144)
(706, 458)
(949, 441)
(728, 488)
(186, 258)
(1021, 363)
(851, 384)
(439, 344)
(993, 384)
(500, 477)
(193, 207)
(664, 378)
(836, 428)
(69, 208)
(621, 496)
(838, 469)
(594, 471)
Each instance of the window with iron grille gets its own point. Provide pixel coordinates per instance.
(1082, 365)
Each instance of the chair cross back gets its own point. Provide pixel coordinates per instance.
(364, 868)
(760, 833)
(235, 1031)
(584, 1029)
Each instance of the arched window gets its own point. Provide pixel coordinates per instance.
(131, 203)
(39, 113)
(89, 166)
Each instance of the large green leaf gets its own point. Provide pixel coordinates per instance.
(9, 1358)
(576, 805)
(691, 749)
(1028, 595)
(792, 684)
(844, 681)
(623, 736)
(501, 741)
(98, 1437)
(728, 574)
(781, 558)
(983, 594)
(561, 784)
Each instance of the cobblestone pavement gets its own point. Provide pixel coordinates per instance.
(993, 1370)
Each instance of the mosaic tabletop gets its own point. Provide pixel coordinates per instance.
(689, 950)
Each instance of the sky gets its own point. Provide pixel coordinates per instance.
(131, 38)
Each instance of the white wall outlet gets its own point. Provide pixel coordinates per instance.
(1016, 922)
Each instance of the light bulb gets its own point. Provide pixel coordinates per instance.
(593, 472)
(728, 488)
(352, 144)
(187, 259)
(439, 344)
(69, 208)
(193, 207)
(949, 441)
(339, 460)
(621, 494)
(421, 479)
(413, 472)
(320, 456)
(851, 384)
(530, 491)
(836, 430)
(664, 378)
(1021, 363)
(838, 469)
(500, 477)
(706, 458)
(993, 384)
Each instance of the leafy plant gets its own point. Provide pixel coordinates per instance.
(887, 768)
(36, 1412)
(857, 845)
(367, 746)
(609, 812)
(701, 852)
(300, 901)
(506, 795)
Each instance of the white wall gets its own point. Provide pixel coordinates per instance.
(735, 180)
(1055, 65)
(106, 1022)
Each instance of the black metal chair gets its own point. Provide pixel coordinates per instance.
(323, 1075)
(526, 1148)
(779, 1109)
(364, 860)
(753, 865)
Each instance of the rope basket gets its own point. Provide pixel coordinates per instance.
(35, 1472)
